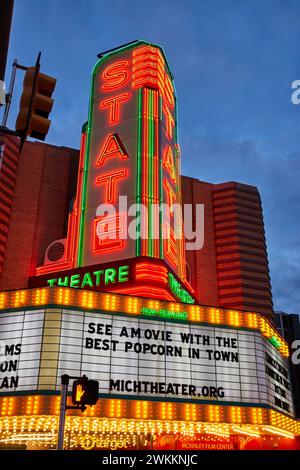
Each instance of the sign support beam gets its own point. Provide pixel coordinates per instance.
(65, 379)
(63, 410)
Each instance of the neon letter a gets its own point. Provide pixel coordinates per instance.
(112, 148)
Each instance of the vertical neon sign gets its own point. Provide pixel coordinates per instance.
(132, 150)
(129, 148)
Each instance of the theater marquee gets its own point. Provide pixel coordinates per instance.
(133, 356)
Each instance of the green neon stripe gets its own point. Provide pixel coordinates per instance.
(149, 176)
(161, 248)
(139, 144)
(178, 185)
(154, 160)
(150, 172)
(139, 174)
(152, 168)
(152, 145)
(85, 175)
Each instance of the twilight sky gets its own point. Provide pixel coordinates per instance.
(233, 62)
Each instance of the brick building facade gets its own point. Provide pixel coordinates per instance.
(36, 193)
(231, 270)
(42, 190)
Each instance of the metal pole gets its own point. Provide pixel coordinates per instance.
(10, 92)
(63, 410)
(69, 439)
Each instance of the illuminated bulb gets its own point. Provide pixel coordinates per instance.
(279, 432)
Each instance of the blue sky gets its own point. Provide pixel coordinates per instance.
(233, 62)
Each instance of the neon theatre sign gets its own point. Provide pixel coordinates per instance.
(130, 149)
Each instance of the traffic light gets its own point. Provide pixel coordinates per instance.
(35, 104)
(85, 392)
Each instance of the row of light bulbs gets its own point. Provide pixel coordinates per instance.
(43, 430)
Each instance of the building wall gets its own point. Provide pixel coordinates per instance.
(231, 270)
(201, 263)
(9, 157)
(241, 253)
(45, 183)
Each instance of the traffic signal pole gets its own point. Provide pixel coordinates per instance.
(65, 380)
(9, 95)
(63, 410)
(10, 91)
(35, 103)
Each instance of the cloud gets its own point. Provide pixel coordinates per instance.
(277, 178)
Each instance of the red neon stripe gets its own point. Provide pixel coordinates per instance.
(153, 276)
(188, 285)
(156, 169)
(150, 273)
(144, 167)
(147, 291)
(73, 225)
(151, 266)
(146, 186)
(144, 170)
(151, 269)
(147, 151)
